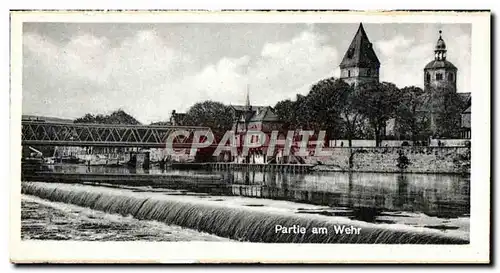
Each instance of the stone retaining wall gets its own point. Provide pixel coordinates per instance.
(396, 159)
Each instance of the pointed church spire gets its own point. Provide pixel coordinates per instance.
(247, 101)
(360, 53)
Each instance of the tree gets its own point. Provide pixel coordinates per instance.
(329, 106)
(215, 115)
(449, 115)
(323, 104)
(121, 117)
(87, 118)
(350, 112)
(302, 113)
(285, 110)
(411, 120)
(377, 103)
(117, 117)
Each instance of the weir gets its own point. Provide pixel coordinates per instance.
(291, 168)
(234, 221)
(164, 180)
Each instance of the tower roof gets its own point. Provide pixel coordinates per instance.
(440, 56)
(440, 45)
(440, 64)
(360, 53)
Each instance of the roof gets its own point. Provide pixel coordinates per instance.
(360, 52)
(423, 106)
(245, 108)
(266, 114)
(440, 64)
(465, 96)
(440, 45)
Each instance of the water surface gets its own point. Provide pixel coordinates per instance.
(370, 197)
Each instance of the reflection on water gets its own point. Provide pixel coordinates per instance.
(367, 195)
(444, 196)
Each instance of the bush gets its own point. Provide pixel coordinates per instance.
(403, 161)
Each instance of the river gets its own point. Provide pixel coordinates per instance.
(436, 201)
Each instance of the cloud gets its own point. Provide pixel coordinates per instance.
(394, 45)
(147, 78)
(403, 60)
(288, 68)
(399, 58)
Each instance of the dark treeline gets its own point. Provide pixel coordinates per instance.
(117, 117)
(362, 112)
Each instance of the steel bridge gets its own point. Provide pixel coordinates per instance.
(107, 135)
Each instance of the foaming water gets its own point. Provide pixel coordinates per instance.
(230, 221)
(42, 219)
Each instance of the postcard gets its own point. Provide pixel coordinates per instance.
(250, 137)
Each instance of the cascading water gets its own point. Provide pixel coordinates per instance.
(235, 222)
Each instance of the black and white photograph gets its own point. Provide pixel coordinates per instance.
(254, 131)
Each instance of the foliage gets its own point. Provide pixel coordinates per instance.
(215, 115)
(117, 117)
(328, 106)
(448, 116)
(403, 161)
(285, 110)
(377, 103)
(323, 106)
(411, 121)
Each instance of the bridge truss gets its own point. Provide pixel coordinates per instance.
(107, 135)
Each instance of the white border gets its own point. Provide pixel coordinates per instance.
(477, 251)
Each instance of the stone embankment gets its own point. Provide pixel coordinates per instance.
(396, 159)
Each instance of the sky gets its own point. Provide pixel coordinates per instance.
(148, 70)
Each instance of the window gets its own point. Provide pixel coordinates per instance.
(368, 72)
(348, 73)
(439, 76)
(450, 77)
(427, 77)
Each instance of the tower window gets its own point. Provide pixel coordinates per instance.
(439, 76)
(427, 77)
(348, 73)
(451, 77)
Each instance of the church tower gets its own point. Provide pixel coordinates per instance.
(440, 79)
(360, 63)
(440, 73)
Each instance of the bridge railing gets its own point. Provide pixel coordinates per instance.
(117, 135)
